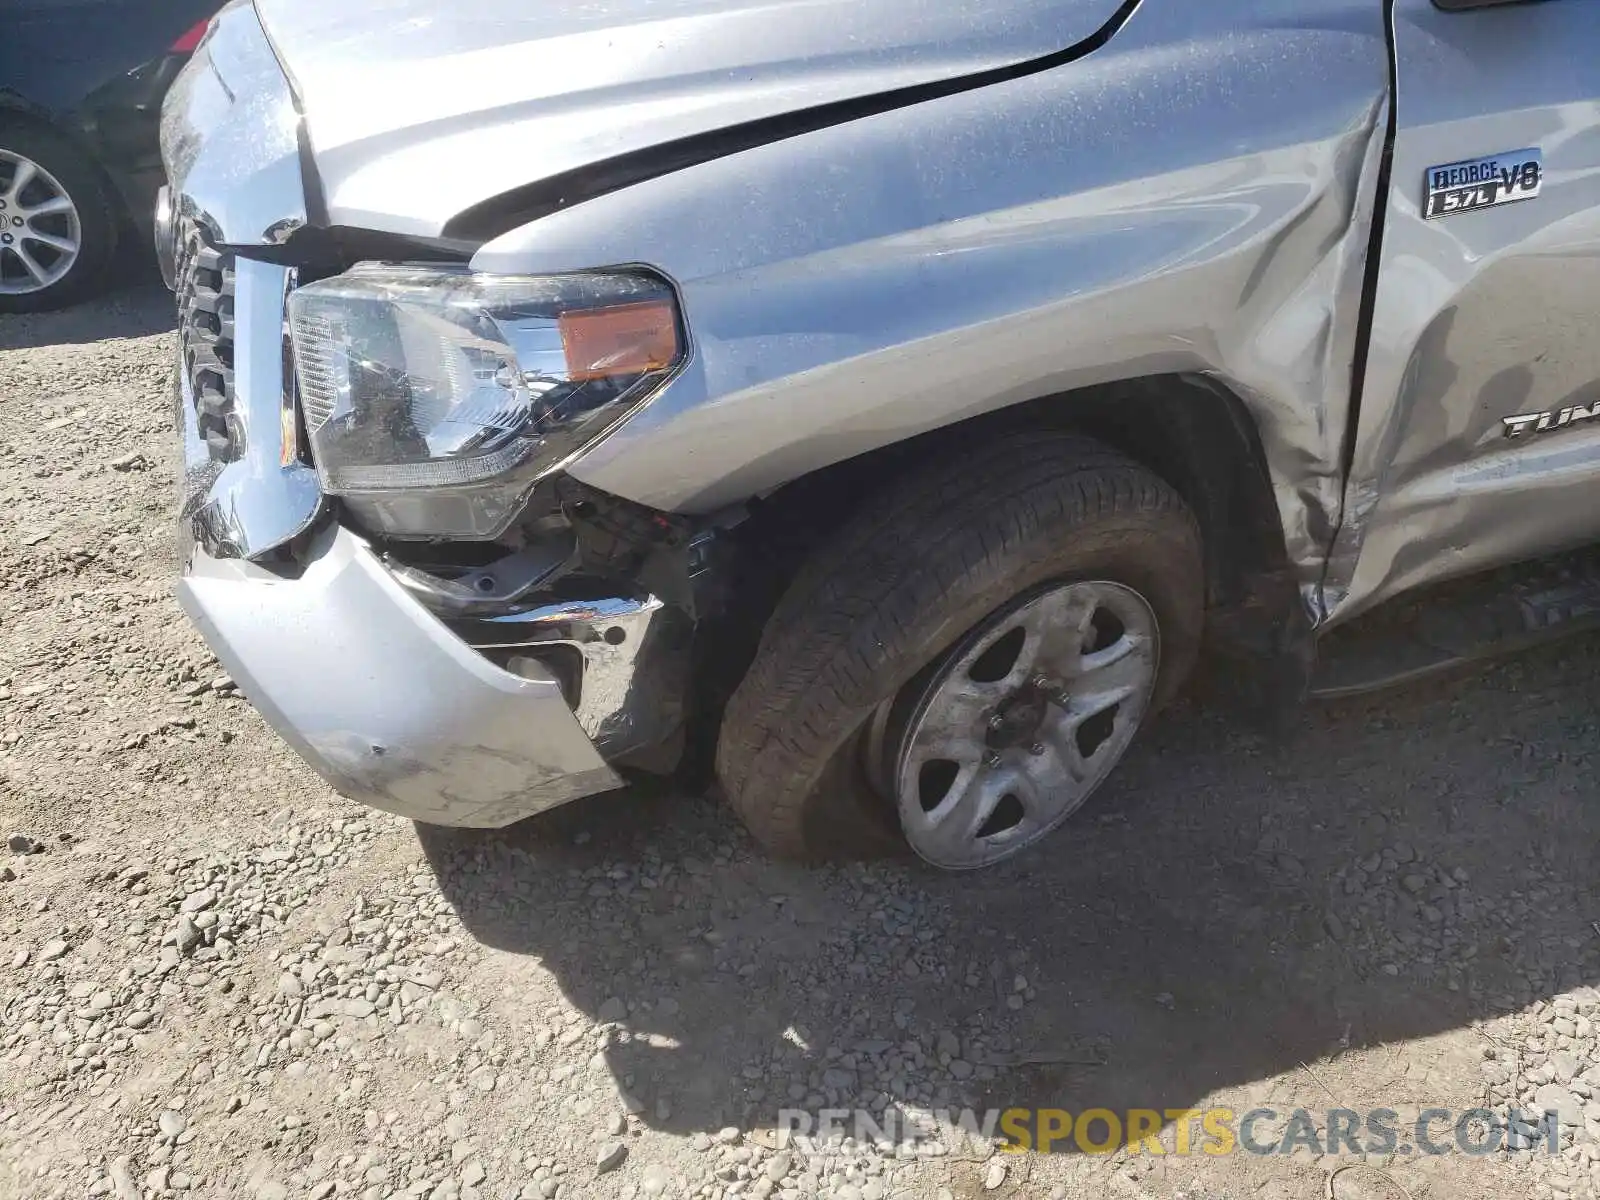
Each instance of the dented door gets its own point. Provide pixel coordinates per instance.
(1478, 436)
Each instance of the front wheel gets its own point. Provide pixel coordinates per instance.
(58, 228)
(971, 656)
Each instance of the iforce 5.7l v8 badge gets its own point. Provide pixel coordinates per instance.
(1501, 178)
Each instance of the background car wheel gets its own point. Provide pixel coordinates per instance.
(58, 230)
(984, 642)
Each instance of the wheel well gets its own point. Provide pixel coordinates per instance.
(1200, 438)
(17, 111)
(1192, 431)
(14, 110)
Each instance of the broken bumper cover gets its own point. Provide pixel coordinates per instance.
(383, 701)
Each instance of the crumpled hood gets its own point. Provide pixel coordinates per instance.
(418, 109)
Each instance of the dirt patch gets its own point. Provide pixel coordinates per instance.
(222, 980)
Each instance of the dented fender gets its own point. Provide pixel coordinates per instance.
(856, 285)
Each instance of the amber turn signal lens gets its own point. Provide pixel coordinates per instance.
(625, 339)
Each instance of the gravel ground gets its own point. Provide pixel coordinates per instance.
(219, 979)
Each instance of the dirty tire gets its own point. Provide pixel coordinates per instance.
(98, 215)
(927, 560)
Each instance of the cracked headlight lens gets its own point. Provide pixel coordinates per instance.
(435, 399)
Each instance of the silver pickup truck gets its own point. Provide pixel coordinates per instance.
(879, 403)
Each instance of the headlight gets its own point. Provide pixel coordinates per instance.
(439, 397)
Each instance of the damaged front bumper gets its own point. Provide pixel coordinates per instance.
(477, 721)
(385, 702)
(441, 718)
(397, 698)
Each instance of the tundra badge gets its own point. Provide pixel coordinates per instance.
(1542, 422)
(1483, 182)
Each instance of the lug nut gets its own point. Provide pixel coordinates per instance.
(997, 722)
(1036, 748)
(991, 759)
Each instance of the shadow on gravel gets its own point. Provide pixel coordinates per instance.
(1226, 910)
(135, 304)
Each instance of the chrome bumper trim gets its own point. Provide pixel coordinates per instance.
(383, 701)
(230, 144)
(230, 137)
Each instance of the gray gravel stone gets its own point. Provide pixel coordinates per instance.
(1551, 1097)
(122, 1181)
(610, 1157)
(189, 935)
(198, 901)
(779, 1165)
(1565, 1064)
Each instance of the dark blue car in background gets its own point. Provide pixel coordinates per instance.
(81, 85)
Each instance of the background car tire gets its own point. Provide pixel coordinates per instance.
(903, 582)
(90, 194)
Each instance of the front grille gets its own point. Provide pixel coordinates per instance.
(205, 332)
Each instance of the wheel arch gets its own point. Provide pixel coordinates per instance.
(1193, 431)
(18, 109)
(14, 105)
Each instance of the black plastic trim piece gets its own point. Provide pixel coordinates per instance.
(320, 251)
(490, 218)
(1469, 5)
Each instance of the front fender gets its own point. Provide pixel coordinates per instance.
(1192, 197)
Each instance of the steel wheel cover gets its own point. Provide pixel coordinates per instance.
(1024, 720)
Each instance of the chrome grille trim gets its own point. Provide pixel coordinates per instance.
(205, 291)
(246, 489)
